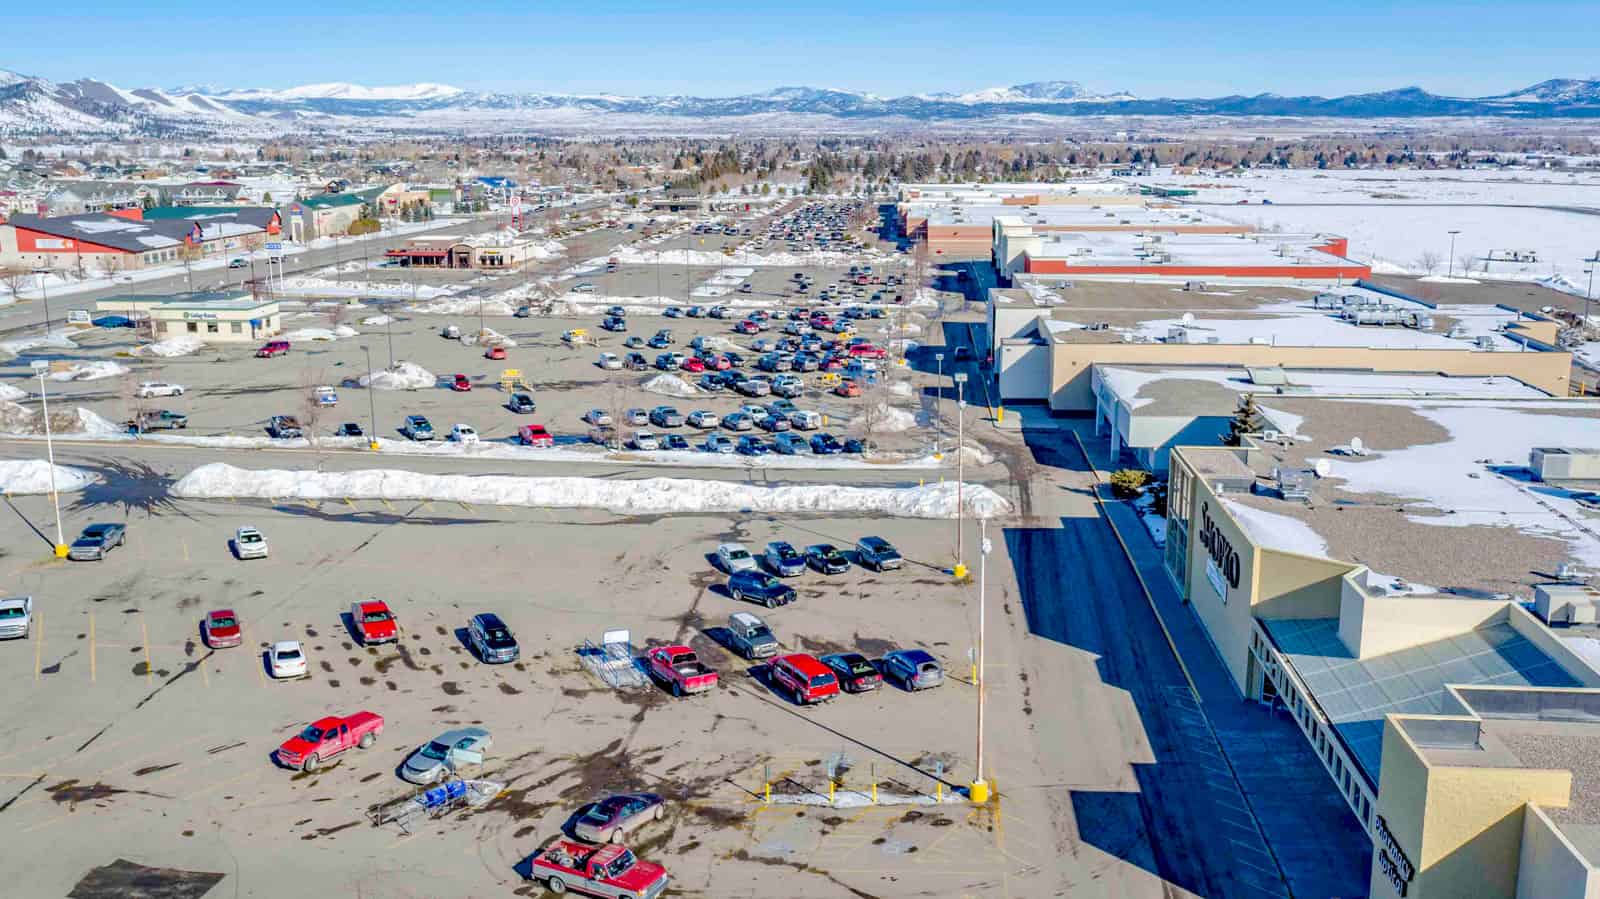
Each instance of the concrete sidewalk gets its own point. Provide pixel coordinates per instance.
(1316, 838)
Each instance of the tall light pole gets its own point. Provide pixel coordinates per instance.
(1450, 261)
(938, 398)
(960, 569)
(1588, 293)
(979, 791)
(40, 366)
(372, 402)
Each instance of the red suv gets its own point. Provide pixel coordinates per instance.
(804, 677)
(273, 348)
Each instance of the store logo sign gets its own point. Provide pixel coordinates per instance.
(1224, 558)
(1392, 859)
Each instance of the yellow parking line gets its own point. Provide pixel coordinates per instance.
(349, 503)
(149, 666)
(204, 677)
(38, 644)
(185, 544)
(386, 504)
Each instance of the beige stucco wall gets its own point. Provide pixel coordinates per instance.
(1550, 867)
(1461, 827)
(1228, 623)
(1374, 625)
(1290, 585)
(1071, 363)
(1529, 626)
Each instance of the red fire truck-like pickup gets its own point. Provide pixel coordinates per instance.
(608, 870)
(327, 737)
(680, 670)
(374, 623)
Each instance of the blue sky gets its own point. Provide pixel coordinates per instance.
(1155, 48)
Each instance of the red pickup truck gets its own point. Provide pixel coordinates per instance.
(680, 669)
(374, 622)
(606, 870)
(327, 737)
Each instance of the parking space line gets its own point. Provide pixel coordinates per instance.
(185, 544)
(386, 504)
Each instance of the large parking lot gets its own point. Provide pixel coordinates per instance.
(126, 736)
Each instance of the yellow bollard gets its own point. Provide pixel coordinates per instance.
(938, 791)
(974, 673)
(768, 799)
(831, 787)
(920, 481)
(874, 793)
(960, 571)
(978, 792)
(999, 414)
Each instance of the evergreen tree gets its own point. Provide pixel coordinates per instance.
(1246, 420)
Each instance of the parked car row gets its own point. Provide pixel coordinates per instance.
(750, 575)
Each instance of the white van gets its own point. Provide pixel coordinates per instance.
(79, 318)
(805, 420)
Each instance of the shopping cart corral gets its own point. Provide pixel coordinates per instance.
(614, 660)
(433, 802)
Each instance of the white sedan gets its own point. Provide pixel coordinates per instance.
(610, 362)
(734, 557)
(159, 388)
(287, 660)
(464, 434)
(249, 543)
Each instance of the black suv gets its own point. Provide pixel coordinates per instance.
(491, 639)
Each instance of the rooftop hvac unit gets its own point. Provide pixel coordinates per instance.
(1567, 603)
(1557, 463)
(1327, 301)
(1422, 321)
(1213, 339)
(1177, 335)
(1457, 331)
(1484, 342)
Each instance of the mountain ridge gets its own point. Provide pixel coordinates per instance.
(30, 105)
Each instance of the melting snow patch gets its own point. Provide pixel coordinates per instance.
(1274, 531)
(309, 335)
(33, 476)
(403, 376)
(460, 306)
(89, 371)
(7, 392)
(377, 320)
(181, 345)
(55, 339)
(651, 496)
(888, 418)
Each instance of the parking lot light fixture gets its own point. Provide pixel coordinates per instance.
(978, 792)
(372, 402)
(960, 569)
(40, 367)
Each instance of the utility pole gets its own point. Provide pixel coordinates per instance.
(979, 791)
(960, 569)
(372, 402)
(40, 366)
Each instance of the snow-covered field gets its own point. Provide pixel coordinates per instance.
(1393, 218)
(650, 496)
(33, 476)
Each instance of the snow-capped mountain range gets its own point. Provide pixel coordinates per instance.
(88, 107)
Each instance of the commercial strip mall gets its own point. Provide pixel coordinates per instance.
(1400, 556)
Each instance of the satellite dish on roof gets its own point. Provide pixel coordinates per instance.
(1188, 318)
(1322, 467)
(1357, 447)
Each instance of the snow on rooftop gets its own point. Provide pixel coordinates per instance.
(108, 226)
(1453, 488)
(1273, 531)
(1130, 383)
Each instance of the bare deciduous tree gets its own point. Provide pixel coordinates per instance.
(311, 411)
(1429, 262)
(1465, 261)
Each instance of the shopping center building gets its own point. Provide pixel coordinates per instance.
(1406, 567)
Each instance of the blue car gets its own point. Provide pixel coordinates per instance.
(758, 586)
(674, 442)
(784, 560)
(913, 669)
(752, 446)
(826, 445)
(790, 444)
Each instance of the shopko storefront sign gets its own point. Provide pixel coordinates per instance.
(1222, 568)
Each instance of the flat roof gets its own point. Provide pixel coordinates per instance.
(1238, 314)
(1044, 216)
(1438, 496)
(1103, 248)
(1356, 694)
(1165, 386)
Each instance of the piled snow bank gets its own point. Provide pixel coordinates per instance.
(486, 337)
(377, 320)
(403, 376)
(20, 421)
(7, 392)
(309, 335)
(95, 425)
(89, 371)
(887, 418)
(670, 385)
(33, 476)
(651, 496)
(18, 345)
(306, 285)
(465, 306)
(901, 388)
(181, 345)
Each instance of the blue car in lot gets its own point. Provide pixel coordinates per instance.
(826, 445)
(788, 444)
(913, 669)
(758, 586)
(752, 446)
(784, 560)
